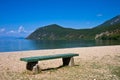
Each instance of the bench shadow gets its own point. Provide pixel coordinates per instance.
(48, 69)
(52, 68)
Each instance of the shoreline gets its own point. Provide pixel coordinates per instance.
(57, 49)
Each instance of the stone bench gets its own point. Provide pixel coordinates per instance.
(32, 62)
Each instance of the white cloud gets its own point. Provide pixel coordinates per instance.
(2, 30)
(21, 29)
(99, 15)
(12, 31)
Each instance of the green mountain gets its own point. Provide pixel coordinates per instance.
(108, 30)
(54, 32)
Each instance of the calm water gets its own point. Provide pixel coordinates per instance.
(7, 45)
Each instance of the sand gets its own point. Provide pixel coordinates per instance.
(11, 60)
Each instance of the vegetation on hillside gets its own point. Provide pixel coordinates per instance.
(56, 32)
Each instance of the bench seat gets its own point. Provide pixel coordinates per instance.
(33, 61)
(39, 58)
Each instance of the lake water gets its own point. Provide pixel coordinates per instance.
(8, 45)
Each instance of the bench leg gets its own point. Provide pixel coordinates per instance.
(36, 69)
(30, 65)
(68, 61)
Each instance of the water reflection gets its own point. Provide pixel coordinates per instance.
(107, 42)
(23, 44)
(69, 44)
(61, 44)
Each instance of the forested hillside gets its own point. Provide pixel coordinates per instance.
(108, 30)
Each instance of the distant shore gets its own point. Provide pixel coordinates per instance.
(11, 60)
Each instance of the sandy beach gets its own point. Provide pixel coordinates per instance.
(12, 68)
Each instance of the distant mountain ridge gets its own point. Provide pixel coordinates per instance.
(108, 30)
(52, 32)
(112, 21)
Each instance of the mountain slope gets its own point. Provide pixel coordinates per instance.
(54, 32)
(109, 25)
(108, 30)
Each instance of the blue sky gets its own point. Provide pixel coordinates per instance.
(21, 17)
